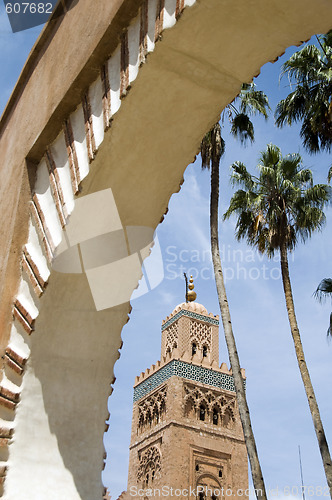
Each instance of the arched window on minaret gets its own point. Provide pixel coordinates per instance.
(162, 410)
(155, 415)
(150, 474)
(205, 351)
(190, 408)
(149, 417)
(193, 348)
(140, 423)
(215, 416)
(202, 412)
(149, 468)
(228, 418)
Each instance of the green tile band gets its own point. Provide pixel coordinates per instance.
(187, 371)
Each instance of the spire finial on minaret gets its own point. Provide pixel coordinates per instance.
(191, 295)
(186, 280)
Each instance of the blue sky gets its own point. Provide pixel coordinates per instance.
(279, 410)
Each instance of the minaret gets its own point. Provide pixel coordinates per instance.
(186, 432)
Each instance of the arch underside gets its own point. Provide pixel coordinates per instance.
(125, 143)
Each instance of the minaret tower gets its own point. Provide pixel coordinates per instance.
(186, 434)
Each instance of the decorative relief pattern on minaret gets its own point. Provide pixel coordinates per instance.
(151, 410)
(209, 406)
(201, 334)
(149, 469)
(172, 337)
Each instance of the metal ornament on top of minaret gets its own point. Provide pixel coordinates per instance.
(191, 294)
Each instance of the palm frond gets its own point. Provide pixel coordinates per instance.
(329, 175)
(291, 109)
(327, 40)
(270, 157)
(297, 66)
(289, 165)
(253, 101)
(242, 128)
(280, 207)
(309, 136)
(324, 289)
(241, 201)
(310, 74)
(317, 195)
(309, 220)
(304, 176)
(241, 177)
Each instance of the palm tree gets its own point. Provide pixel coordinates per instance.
(212, 149)
(275, 210)
(310, 70)
(323, 290)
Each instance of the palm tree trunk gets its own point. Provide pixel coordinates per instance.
(322, 442)
(256, 471)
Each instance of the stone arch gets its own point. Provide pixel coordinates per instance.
(201, 334)
(209, 482)
(149, 467)
(228, 418)
(156, 415)
(204, 400)
(190, 407)
(141, 423)
(71, 144)
(151, 409)
(203, 411)
(210, 396)
(171, 337)
(162, 409)
(149, 417)
(216, 414)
